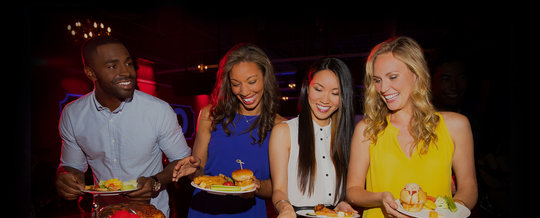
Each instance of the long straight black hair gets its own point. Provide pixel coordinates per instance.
(341, 130)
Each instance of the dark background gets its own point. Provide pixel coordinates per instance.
(178, 37)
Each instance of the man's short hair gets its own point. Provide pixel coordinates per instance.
(90, 46)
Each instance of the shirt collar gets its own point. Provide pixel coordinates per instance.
(322, 131)
(100, 107)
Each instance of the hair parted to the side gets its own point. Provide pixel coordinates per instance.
(341, 130)
(424, 120)
(225, 105)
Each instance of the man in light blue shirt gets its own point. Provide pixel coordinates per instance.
(118, 131)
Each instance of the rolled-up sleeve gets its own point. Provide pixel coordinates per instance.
(72, 155)
(171, 139)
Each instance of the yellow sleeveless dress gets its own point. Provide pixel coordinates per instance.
(390, 169)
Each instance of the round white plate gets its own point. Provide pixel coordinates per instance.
(105, 193)
(311, 213)
(216, 192)
(462, 211)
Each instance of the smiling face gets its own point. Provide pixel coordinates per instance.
(113, 71)
(393, 81)
(449, 84)
(323, 96)
(247, 85)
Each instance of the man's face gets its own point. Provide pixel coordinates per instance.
(113, 72)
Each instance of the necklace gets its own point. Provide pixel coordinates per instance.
(250, 119)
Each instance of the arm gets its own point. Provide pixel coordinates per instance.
(70, 179)
(204, 133)
(194, 165)
(171, 142)
(279, 150)
(146, 184)
(463, 159)
(264, 189)
(357, 194)
(69, 182)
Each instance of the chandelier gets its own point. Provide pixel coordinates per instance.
(88, 29)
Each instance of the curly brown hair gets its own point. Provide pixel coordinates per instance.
(225, 105)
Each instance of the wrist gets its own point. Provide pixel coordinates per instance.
(461, 202)
(281, 205)
(156, 185)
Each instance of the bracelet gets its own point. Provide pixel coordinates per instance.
(279, 201)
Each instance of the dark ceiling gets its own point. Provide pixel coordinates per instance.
(178, 37)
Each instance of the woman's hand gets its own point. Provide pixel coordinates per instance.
(186, 166)
(345, 207)
(390, 206)
(257, 184)
(287, 214)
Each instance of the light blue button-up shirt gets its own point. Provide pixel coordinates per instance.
(126, 143)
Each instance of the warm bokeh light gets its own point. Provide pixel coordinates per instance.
(84, 30)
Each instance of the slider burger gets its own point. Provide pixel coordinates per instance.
(243, 178)
(412, 197)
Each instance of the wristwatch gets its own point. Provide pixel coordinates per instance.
(157, 185)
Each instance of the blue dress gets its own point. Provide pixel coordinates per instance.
(223, 151)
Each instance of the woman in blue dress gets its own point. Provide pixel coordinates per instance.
(236, 126)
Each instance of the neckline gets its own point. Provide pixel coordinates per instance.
(248, 119)
(395, 134)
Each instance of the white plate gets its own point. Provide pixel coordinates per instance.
(311, 213)
(106, 193)
(216, 192)
(462, 211)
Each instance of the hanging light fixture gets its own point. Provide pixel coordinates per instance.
(87, 29)
(202, 67)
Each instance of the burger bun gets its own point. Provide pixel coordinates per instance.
(412, 197)
(242, 174)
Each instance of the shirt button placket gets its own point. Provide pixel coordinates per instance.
(114, 146)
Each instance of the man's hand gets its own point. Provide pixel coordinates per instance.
(69, 183)
(145, 189)
(186, 166)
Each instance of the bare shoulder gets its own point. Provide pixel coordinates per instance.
(360, 127)
(279, 119)
(456, 120)
(280, 136)
(358, 135)
(281, 128)
(456, 123)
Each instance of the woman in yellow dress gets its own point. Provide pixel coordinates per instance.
(402, 139)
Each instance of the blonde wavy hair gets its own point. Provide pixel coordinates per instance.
(425, 119)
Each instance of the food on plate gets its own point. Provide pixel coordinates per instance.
(429, 204)
(412, 197)
(207, 181)
(433, 214)
(446, 202)
(226, 188)
(321, 210)
(133, 208)
(243, 178)
(113, 185)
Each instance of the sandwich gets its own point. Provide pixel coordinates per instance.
(244, 179)
(412, 197)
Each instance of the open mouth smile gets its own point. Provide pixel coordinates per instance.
(323, 109)
(390, 98)
(250, 100)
